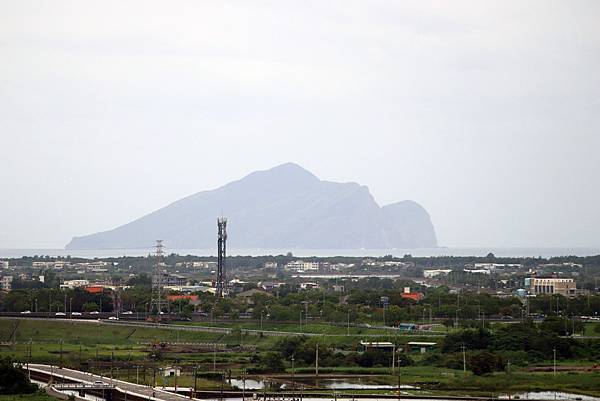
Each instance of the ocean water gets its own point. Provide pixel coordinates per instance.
(441, 251)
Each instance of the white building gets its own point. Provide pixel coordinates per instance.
(435, 272)
(302, 265)
(43, 265)
(270, 265)
(480, 271)
(70, 284)
(492, 266)
(204, 265)
(309, 286)
(172, 371)
(3, 264)
(540, 286)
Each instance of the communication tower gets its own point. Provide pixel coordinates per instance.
(221, 252)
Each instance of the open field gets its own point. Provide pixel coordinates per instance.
(127, 353)
(37, 396)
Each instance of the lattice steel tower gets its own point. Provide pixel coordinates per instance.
(222, 246)
(157, 277)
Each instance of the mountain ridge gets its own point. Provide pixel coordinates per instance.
(286, 206)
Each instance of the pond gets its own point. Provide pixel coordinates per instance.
(333, 384)
(550, 395)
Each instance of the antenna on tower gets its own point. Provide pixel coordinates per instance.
(157, 303)
(221, 254)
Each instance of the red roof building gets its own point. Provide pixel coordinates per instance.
(94, 289)
(414, 296)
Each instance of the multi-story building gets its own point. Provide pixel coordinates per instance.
(542, 286)
(204, 265)
(302, 265)
(6, 283)
(3, 264)
(170, 279)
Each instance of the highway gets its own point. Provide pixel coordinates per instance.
(222, 330)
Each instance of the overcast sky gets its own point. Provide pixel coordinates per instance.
(486, 113)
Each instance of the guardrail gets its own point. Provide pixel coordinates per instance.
(78, 386)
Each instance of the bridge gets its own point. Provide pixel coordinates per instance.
(84, 383)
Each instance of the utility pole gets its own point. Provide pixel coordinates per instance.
(176, 369)
(554, 359)
(317, 361)
(244, 385)
(214, 357)
(464, 360)
(399, 386)
(348, 327)
(393, 359)
(195, 381)
(293, 382)
(222, 382)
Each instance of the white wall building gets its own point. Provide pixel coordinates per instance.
(540, 286)
(435, 272)
(70, 284)
(302, 265)
(309, 286)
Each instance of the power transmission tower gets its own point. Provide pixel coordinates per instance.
(157, 277)
(222, 246)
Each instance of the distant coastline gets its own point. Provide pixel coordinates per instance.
(515, 252)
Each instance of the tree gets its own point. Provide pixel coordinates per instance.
(270, 362)
(90, 307)
(13, 380)
(485, 362)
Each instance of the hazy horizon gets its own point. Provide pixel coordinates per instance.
(486, 113)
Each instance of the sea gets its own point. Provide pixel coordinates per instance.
(421, 252)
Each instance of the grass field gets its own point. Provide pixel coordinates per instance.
(37, 396)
